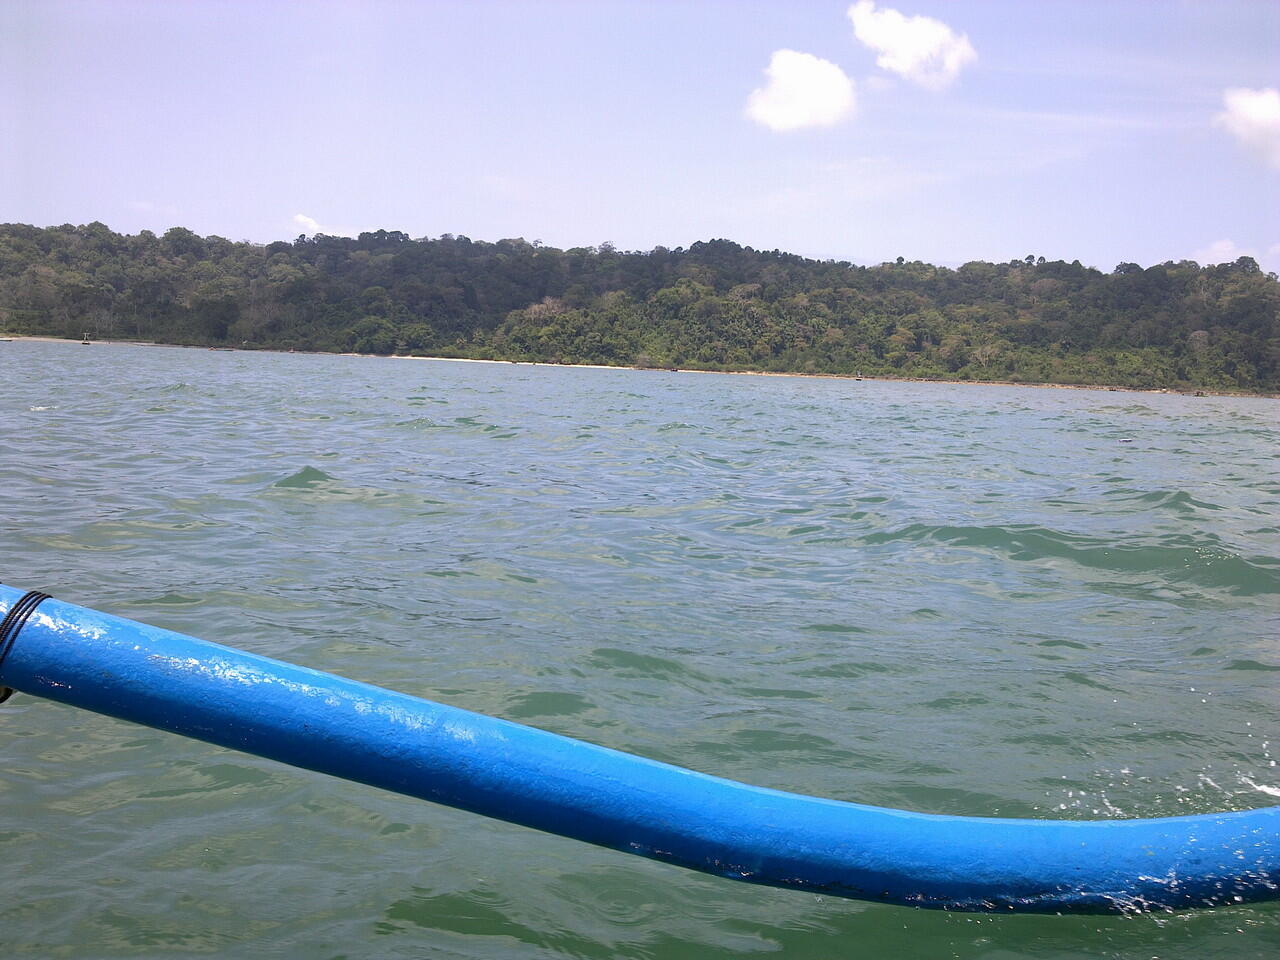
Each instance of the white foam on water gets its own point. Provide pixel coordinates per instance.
(1262, 787)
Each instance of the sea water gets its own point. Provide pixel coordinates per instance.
(957, 599)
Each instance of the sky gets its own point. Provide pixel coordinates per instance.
(1120, 131)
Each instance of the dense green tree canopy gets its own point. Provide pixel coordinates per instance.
(714, 305)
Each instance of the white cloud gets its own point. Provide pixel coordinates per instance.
(1253, 118)
(803, 91)
(1226, 251)
(310, 226)
(924, 50)
(307, 224)
(1221, 251)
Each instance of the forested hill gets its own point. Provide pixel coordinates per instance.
(714, 305)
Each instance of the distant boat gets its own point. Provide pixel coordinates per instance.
(85, 338)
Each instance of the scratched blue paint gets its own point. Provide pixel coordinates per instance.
(511, 772)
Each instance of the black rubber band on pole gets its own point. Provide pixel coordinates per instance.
(14, 621)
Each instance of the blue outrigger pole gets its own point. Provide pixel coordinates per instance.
(499, 769)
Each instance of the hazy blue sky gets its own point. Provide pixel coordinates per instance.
(1104, 131)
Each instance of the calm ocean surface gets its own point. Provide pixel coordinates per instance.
(956, 599)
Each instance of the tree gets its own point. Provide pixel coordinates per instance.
(715, 304)
(372, 335)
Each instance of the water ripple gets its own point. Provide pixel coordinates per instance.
(959, 599)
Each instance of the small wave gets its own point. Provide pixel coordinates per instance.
(168, 599)
(211, 778)
(849, 670)
(422, 423)
(546, 703)
(1251, 665)
(1261, 787)
(305, 479)
(469, 424)
(1178, 500)
(1187, 560)
(627, 663)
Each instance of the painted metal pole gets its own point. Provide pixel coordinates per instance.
(499, 769)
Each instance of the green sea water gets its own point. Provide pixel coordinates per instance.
(950, 598)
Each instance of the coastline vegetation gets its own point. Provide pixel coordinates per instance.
(712, 306)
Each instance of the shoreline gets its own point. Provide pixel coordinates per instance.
(887, 378)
